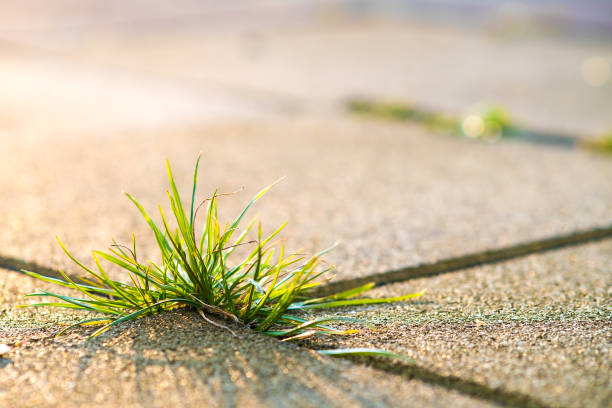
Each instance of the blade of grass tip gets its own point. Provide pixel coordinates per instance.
(120, 262)
(195, 182)
(343, 295)
(175, 192)
(79, 303)
(50, 304)
(255, 199)
(323, 252)
(342, 332)
(357, 302)
(99, 320)
(119, 250)
(162, 242)
(80, 287)
(230, 249)
(134, 247)
(121, 292)
(74, 259)
(303, 335)
(144, 269)
(65, 284)
(372, 352)
(313, 323)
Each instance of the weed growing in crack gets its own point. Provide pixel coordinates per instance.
(265, 290)
(488, 123)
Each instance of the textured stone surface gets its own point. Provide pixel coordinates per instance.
(536, 78)
(92, 103)
(176, 359)
(392, 195)
(539, 326)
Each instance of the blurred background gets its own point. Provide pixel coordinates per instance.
(87, 67)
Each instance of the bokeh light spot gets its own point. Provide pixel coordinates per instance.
(595, 71)
(473, 126)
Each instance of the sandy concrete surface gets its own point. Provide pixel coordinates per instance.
(196, 66)
(177, 359)
(95, 98)
(539, 326)
(440, 67)
(391, 195)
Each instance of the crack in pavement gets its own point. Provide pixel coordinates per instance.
(462, 262)
(20, 265)
(470, 388)
(447, 265)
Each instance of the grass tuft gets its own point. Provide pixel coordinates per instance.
(265, 289)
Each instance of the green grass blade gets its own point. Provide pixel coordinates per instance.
(195, 183)
(79, 303)
(311, 323)
(343, 295)
(163, 244)
(358, 302)
(253, 201)
(65, 284)
(137, 314)
(82, 322)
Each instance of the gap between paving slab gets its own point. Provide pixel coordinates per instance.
(466, 386)
(410, 272)
(429, 199)
(454, 383)
(474, 259)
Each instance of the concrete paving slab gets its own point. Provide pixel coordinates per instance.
(569, 284)
(176, 359)
(44, 93)
(539, 326)
(392, 195)
(274, 52)
(315, 67)
(537, 79)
